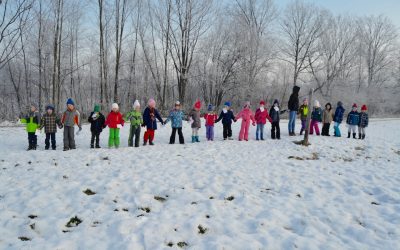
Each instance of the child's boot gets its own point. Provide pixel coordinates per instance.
(91, 146)
(363, 136)
(301, 131)
(348, 135)
(359, 136)
(354, 136)
(193, 139)
(197, 138)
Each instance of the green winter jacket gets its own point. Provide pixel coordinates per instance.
(135, 118)
(32, 121)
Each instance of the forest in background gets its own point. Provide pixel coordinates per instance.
(105, 51)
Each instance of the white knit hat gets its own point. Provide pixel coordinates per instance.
(316, 104)
(177, 103)
(115, 106)
(136, 104)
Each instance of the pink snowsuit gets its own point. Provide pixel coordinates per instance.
(247, 116)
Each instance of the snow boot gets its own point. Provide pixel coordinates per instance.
(363, 136)
(301, 131)
(354, 136)
(144, 143)
(197, 138)
(91, 146)
(359, 136)
(230, 138)
(193, 139)
(348, 135)
(151, 143)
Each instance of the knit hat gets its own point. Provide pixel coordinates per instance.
(247, 104)
(340, 104)
(262, 103)
(210, 107)
(197, 104)
(316, 104)
(136, 104)
(115, 106)
(228, 104)
(364, 108)
(70, 101)
(354, 105)
(305, 99)
(152, 103)
(276, 102)
(177, 103)
(96, 108)
(50, 107)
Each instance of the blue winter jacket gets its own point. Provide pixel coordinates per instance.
(353, 118)
(149, 118)
(363, 120)
(339, 113)
(226, 118)
(316, 115)
(176, 117)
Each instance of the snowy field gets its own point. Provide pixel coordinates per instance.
(338, 193)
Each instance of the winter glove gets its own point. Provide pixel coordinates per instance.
(61, 126)
(254, 123)
(143, 125)
(119, 125)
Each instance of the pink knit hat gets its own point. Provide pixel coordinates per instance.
(152, 103)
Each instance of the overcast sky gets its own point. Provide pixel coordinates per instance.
(390, 8)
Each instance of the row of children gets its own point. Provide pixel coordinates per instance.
(354, 120)
(115, 121)
(326, 117)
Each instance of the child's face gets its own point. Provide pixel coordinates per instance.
(33, 109)
(227, 107)
(70, 106)
(354, 109)
(305, 102)
(262, 106)
(197, 109)
(177, 107)
(115, 110)
(276, 104)
(137, 108)
(49, 111)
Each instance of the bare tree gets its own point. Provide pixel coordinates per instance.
(188, 24)
(302, 26)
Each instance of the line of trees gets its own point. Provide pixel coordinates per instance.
(104, 51)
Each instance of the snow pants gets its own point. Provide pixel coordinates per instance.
(314, 125)
(113, 139)
(210, 133)
(244, 131)
(69, 137)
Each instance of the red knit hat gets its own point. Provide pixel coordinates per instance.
(364, 108)
(262, 103)
(355, 105)
(197, 104)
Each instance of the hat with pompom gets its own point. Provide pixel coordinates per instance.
(197, 104)
(262, 103)
(115, 106)
(354, 105)
(364, 108)
(228, 104)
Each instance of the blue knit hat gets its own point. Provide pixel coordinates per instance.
(50, 107)
(210, 107)
(70, 101)
(227, 104)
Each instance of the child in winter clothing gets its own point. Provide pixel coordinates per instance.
(275, 113)
(210, 117)
(293, 106)
(70, 118)
(316, 117)
(150, 114)
(353, 120)
(49, 122)
(97, 123)
(246, 115)
(363, 122)
(338, 118)
(303, 111)
(261, 117)
(227, 117)
(136, 119)
(176, 116)
(327, 118)
(115, 122)
(32, 121)
(194, 115)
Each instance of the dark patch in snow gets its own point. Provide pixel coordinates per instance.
(32, 216)
(202, 230)
(159, 198)
(193, 203)
(115, 201)
(73, 222)
(23, 238)
(16, 165)
(29, 162)
(146, 209)
(375, 203)
(32, 226)
(140, 215)
(65, 177)
(105, 158)
(211, 197)
(89, 192)
(230, 198)
(298, 195)
(182, 244)
(170, 244)
(125, 209)
(116, 210)
(207, 216)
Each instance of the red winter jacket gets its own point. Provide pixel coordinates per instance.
(262, 116)
(113, 119)
(210, 119)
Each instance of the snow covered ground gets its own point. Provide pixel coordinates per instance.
(338, 193)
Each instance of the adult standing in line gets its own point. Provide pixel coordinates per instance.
(293, 106)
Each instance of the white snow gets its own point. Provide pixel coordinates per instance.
(348, 198)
